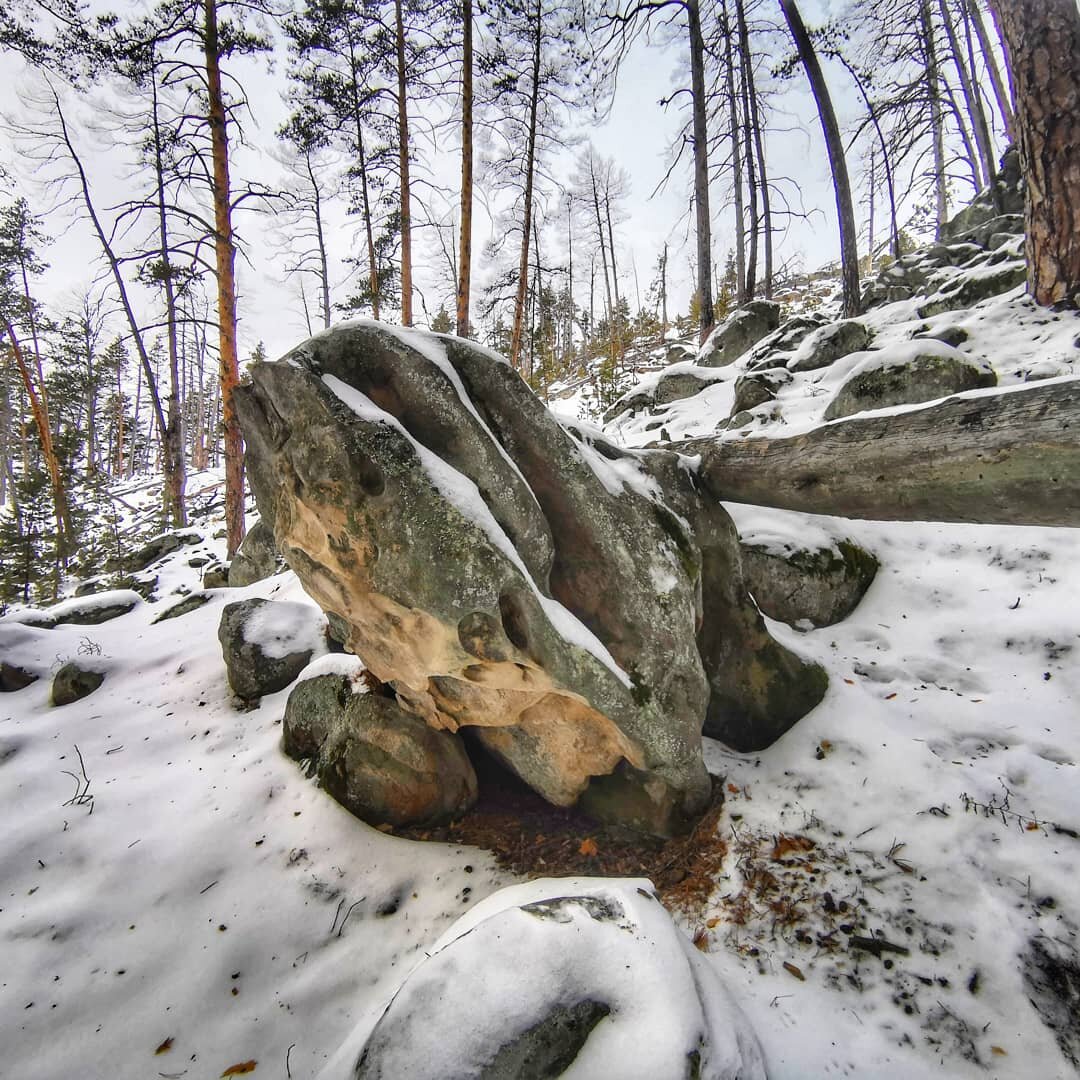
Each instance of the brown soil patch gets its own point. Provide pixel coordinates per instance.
(531, 838)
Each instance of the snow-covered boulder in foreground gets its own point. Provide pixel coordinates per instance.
(508, 573)
(583, 977)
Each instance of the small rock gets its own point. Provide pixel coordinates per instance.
(217, 577)
(188, 604)
(257, 557)
(13, 677)
(73, 682)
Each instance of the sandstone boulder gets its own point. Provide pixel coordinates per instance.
(742, 330)
(267, 643)
(581, 975)
(918, 371)
(383, 764)
(502, 571)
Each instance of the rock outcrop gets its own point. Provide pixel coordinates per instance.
(501, 571)
(739, 332)
(516, 988)
(256, 558)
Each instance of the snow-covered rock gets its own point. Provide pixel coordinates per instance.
(582, 978)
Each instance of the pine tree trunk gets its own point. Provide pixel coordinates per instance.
(937, 123)
(1001, 94)
(736, 158)
(173, 442)
(754, 128)
(403, 167)
(465, 254)
(530, 166)
(225, 256)
(706, 316)
(1043, 41)
(849, 252)
(365, 195)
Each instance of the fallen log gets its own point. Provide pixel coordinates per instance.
(1010, 457)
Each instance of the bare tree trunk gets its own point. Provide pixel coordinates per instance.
(611, 244)
(65, 535)
(706, 315)
(173, 441)
(1043, 41)
(663, 291)
(365, 196)
(972, 100)
(736, 157)
(465, 256)
(530, 167)
(225, 254)
(320, 240)
(1001, 94)
(751, 183)
(754, 129)
(937, 124)
(403, 167)
(849, 252)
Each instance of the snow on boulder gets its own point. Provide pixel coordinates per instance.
(739, 332)
(574, 977)
(75, 680)
(907, 373)
(81, 610)
(267, 643)
(827, 345)
(492, 566)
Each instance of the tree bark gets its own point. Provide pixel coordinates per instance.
(736, 157)
(706, 315)
(1001, 94)
(365, 195)
(225, 258)
(1008, 458)
(937, 122)
(1043, 42)
(403, 167)
(849, 251)
(465, 257)
(530, 167)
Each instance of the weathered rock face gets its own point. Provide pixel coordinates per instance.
(385, 765)
(74, 681)
(256, 559)
(516, 988)
(500, 571)
(929, 371)
(267, 643)
(814, 585)
(827, 345)
(745, 328)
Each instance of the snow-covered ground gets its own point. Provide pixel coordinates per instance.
(177, 899)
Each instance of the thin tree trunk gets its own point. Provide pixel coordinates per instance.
(611, 243)
(320, 240)
(530, 165)
(465, 255)
(754, 129)
(1048, 119)
(663, 291)
(225, 254)
(849, 252)
(736, 159)
(701, 171)
(173, 442)
(403, 167)
(365, 196)
(971, 153)
(1001, 94)
(937, 123)
(65, 535)
(751, 184)
(972, 100)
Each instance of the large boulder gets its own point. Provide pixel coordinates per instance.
(501, 571)
(267, 643)
(679, 385)
(968, 289)
(742, 330)
(758, 387)
(385, 765)
(829, 344)
(584, 976)
(808, 585)
(83, 610)
(257, 557)
(919, 370)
